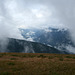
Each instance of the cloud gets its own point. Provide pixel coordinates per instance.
(8, 27)
(65, 12)
(35, 13)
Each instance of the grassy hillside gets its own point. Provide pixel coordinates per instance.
(36, 64)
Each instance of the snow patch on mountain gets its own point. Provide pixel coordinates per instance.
(30, 39)
(47, 30)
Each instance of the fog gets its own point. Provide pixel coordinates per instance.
(16, 14)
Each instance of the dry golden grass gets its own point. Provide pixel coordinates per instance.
(36, 64)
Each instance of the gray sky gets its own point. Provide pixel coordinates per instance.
(16, 14)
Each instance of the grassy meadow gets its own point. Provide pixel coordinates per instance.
(36, 64)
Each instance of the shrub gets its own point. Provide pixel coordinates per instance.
(68, 57)
(61, 59)
(73, 57)
(32, 56)
(2, 54)
(13, 59)
(42, 56)
(23, 56)
(11, 63)
(50, 57)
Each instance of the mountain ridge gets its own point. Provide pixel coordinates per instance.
(22, 46)
(57, 38)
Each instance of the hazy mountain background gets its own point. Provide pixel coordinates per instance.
(55, 37)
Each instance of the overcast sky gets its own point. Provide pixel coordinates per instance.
(16, 14)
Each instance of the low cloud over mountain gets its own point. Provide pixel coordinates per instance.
(58, 38)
